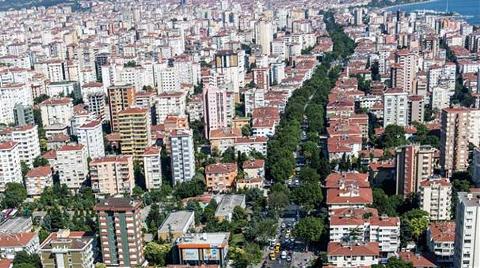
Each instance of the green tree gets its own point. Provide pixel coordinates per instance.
(393, 136)
(229, 155)
(308, 174)
(394, 263)
(414, 223)
(190, 188)
(156, 254)
(246, 256)
(23, 259)
(25, 168)
(261, 230)
(308, 195)
(209, 211)
(309, 229)
(15, 194)
(247, 130)
(40, 162)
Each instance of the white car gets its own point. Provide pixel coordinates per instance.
(283, 255)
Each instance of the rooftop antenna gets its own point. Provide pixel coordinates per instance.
(446, 10)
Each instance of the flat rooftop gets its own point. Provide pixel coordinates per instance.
(203, 240)
(16, 225)
(176, 221)
(228, 203)
(470, 199)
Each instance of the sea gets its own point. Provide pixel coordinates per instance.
(469, 9)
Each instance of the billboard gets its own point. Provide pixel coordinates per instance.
(211, 254)
(190, 254)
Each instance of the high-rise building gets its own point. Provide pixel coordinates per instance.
(152, 166)
(37, 179)
(416, 109)
(405, 70)
(395, 107)
(72, 166)
(227, 64)
(67, 249)
(23, 114)
(415, 163)
(56, 111)
(134, 128)
(183, 157)
(261, 78)
(91, 136)
(170, 103)
(264, 35)
(475, 171)
(28, 141)
(467, 231)
(436, 198)
(454, 139)
(214, 108)
(112, 175)
(10, 168)
(121, 237)
(10, 95)
(119, 98)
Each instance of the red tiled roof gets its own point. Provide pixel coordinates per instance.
(152, 150)
(367, 249)
(16, 240)
(39, 172)
(7, 145)
(71, 147)
(364, 197)
(221, 168)
(257, 163)
(52, 154)
(417, 260)
(442, 231)
(334, 180)
(56, 101)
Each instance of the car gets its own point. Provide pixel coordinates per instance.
(283, 255)
(283, 225)
(272, 256)
(289, 258)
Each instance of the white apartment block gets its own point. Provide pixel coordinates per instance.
(395, 107)
(183, 157)
(440, 97)
(368, 226)
(467, 231)
(436, 198)
(441, 240)
(474, 126)
(112, 175)
(170, 103)
(37, 179)
(79, 118)
(11, 94)
(10, 168)
(353, 255)
(56, 111)
(166, 78)
(91, 136)
(152, 166)
(72, 165)
(28, 142)
(254, 98)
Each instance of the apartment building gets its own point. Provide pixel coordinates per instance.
(441, 241)
(176, 225)
(467, 231)
(353, 255)
(395, 107)
(67, 248)
(28, 142)
(71, 165)
(90, 135)
(214, 108)
(56, 111)
(121, 237)
(134, 128)
(405, 70)
(11, 95)
(10, 168)
(37, 179)
(112, 175)
(415, 163)
(119, 99)
(152, 167)
(221, 176)
(436, 198)
(454, 140)
(170, 103)
(365, 225)
(11, 244)
(198, 248)
(183, 157)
